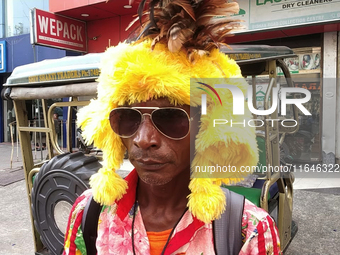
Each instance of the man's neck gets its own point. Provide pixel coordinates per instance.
(162, 205)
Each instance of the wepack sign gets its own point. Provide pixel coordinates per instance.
(58, 31)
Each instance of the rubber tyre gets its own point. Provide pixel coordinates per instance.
(59, 182)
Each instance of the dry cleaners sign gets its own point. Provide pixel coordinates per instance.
(273, 14)
(58, 31)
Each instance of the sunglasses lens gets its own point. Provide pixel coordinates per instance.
(172, 122)
(125, 122)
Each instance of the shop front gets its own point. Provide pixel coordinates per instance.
(310, 28)
(18, 51)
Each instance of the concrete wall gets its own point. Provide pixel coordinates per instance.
(337, 138)
(329, 96)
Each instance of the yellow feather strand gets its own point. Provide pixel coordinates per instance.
(206, 201)
(107, 186)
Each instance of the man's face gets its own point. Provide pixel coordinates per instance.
(157, 158)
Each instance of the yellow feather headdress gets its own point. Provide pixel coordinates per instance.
(146, 70)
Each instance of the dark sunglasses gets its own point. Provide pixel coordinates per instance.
(172, 122)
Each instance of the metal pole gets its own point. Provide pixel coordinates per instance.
(62, 134)
(40, 138)
(34, 53)
(32, 35)
(12, 141)
(17, 135)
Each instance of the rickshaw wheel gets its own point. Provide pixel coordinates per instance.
(56, 187)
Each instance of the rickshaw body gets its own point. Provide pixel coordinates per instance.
(73, 79)
(276, 186)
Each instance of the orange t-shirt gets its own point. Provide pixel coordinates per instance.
(157, 241)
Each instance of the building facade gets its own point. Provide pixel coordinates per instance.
(310, 27)
(16, 49)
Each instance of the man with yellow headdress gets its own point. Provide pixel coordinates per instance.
(146, 105)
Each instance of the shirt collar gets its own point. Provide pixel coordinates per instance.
(126, 202)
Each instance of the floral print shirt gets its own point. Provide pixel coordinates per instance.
(191, 236)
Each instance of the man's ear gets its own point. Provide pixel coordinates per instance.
(126, 155)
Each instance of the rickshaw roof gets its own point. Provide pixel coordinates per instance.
(85, 68)
(69, 69)
(247, 54)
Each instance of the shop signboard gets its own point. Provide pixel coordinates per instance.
(309, 61)
(270, 14)
(292, 64)
(311, 86)
(303, 63)
(58, 31)
(3, 58)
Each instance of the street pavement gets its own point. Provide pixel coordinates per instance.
(316, 211)
(16, 230)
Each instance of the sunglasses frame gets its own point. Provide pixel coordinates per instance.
(150, 115)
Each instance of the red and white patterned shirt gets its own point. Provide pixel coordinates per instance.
(191, 236)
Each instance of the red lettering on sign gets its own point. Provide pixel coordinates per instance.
(58, 31)
(307, 85)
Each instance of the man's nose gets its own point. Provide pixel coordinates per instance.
(147, 135)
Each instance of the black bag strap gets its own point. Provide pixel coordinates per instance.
(89, 225)
(228, 228)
